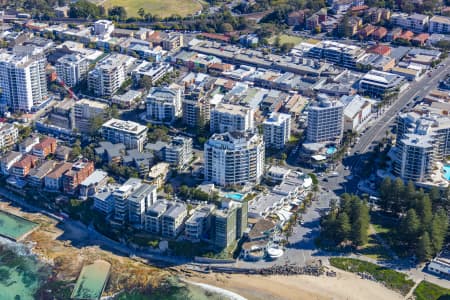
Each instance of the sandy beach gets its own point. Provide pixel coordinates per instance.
(254, 287)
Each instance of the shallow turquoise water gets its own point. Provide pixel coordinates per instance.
(21, 273)
(234, 196)
(447, 172)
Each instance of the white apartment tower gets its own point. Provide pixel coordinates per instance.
(109, 74)
(325, 121)
(72, 68)
(229, 117)
(234, 158)
(277, 130)
(131, 134)
(22, 80)
(164, 104)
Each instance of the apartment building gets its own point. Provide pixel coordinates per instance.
(164, 104)
(109, 74)
(196, 112)
(341, 54)
(415, 157)
(8, 135)
(72, 178)
(439, 24)
(139, 202)
(53, 180)
(199, 223)
(229, 224)
(152, 71)
(103, 29)
(179, 152)
(131, 134)
(357, 112)
(72, 68)
(121, 196)
(23, 81)
(37, 175)
(93, 184)
(325, 120)
(172, 220)
(277, 130)
(172, 41)
(84, 112)
(23, 167)
(378, 83)
(8, 160)
(45, 147)
(234, 158)
(416, 22)
(28, 143)
(153, 216)
(230, 117)
(104, 201)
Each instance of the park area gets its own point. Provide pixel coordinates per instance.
(163, 9)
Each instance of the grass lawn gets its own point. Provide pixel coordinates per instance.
(392, 279)
(161, 8)
(284, 38)
(374, 249)
(429, 291)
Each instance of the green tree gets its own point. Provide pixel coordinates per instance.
(398, 190)
(425, 212)
(343, 227)
(360, 222)
(409, 196)
(385, 193)
(439, 230)
(141, 12)
(409, 228)
(424, 249)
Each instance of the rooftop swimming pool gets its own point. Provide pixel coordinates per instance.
(331, 150)
(14, 227)
(447, 172)
(234, 196)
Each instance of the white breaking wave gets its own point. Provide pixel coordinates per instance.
(229, 294)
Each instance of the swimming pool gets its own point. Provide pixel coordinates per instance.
(331, 150)
(234, 196)
(447, 172)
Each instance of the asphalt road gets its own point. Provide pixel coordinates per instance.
(375, 133)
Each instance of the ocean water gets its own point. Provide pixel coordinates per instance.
(21, 273)
(183, 291)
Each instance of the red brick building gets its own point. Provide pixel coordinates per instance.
(23, 166)
(45, 148)
(73, 177)
(380, 49)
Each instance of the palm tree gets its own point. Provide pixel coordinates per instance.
(141, 12)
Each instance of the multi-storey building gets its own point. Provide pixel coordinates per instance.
(340, 54)
(152, 71)
(121, 195)
(415, 157)
(229, 117)
(36, 176)
(198, 223)
(153, 217)
(172, 42)
(103, 28)
(229, 224)
(8, 135)
(439, 24)
(46, 147)
(325, 121)
(196, 112)
(179, 152)
(8, 160)
(23, 81)
(22, 167)
(72, 178)
(53, 180)
(173, 220)
(379, 83)
(415, 22)
(109, 74)
(28, 143)
(131, 134)
(164, 104)
(277, 130)
(85, 111)
(72, 68)
(139, 202)
(234, 158)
